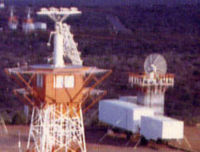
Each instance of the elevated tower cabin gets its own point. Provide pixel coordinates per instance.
(58, 92)
(28, 24)
(12, 21)
(152, 85)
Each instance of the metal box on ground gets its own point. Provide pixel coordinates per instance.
(122, 114)
(160, 127)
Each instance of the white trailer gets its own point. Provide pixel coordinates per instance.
(161, 127)
(122, 114)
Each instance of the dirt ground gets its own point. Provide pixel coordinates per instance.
(192, 139)
(9, 142)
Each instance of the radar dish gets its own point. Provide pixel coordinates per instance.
(155, 63)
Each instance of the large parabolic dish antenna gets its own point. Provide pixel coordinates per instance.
(155, 63)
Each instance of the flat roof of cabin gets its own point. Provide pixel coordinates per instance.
(51, 69)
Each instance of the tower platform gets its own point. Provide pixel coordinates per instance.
(151, 90)
(58, 95)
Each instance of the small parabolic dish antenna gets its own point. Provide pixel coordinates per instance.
(155, 63)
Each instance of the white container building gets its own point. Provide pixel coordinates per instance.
(41, 26)
(161, 127)
(122, 114)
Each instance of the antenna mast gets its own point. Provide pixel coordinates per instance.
(62, 35)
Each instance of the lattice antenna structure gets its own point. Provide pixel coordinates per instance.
(57, 94)
(153, 83)
(64, 44)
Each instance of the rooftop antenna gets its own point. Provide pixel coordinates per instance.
(64, 44)
(153, 83)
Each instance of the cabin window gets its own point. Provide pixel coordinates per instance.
(64, 82)
(58, 82)
(69, 81)
(39, 80)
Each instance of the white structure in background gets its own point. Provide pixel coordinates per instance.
(12, 22)
(64, 45)
(2, 5)
(28, 25)
(143, 113)
(40, 26)
(160, 127)
(122, 114)
(153, 84)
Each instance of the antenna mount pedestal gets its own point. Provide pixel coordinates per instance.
(61, 36)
